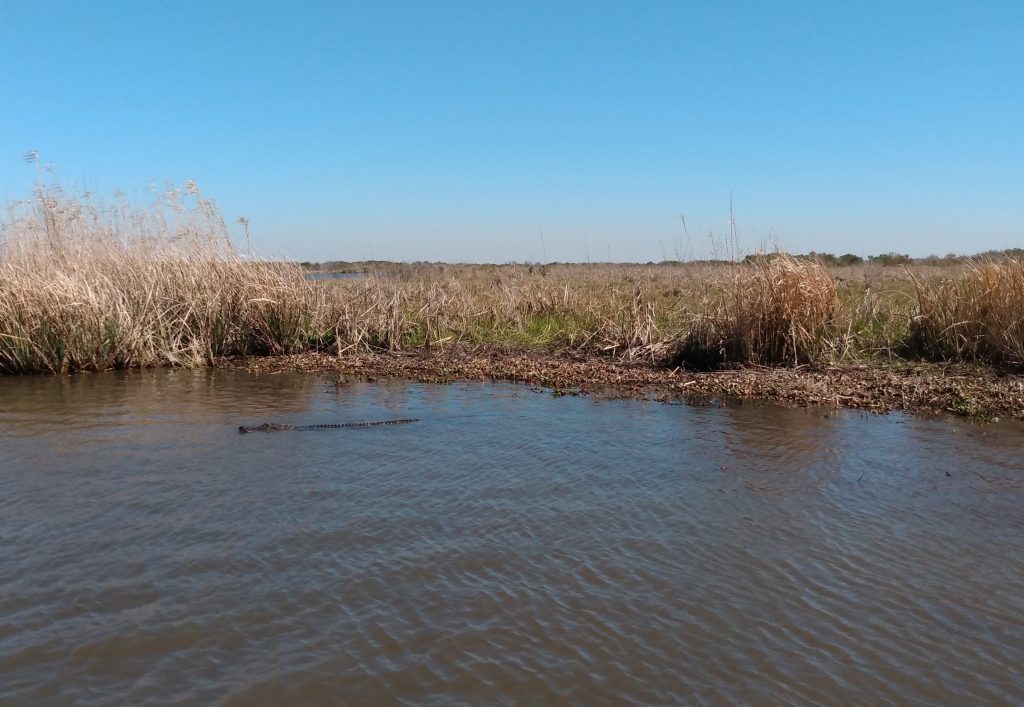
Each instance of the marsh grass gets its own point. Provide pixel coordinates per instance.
(976, 315)
(88, 286)
(773, 311)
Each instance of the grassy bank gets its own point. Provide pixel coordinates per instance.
(89, 287)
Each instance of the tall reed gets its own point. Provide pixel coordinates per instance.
(977, 314)
(88, 287)
(771, 311)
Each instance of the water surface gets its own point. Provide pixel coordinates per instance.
(509, 548)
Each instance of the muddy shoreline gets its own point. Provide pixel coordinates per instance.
(978, 392)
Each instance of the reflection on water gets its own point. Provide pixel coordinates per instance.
(510, 547)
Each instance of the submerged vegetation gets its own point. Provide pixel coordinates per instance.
(88, 286)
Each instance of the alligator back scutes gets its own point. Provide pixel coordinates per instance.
(275, 427)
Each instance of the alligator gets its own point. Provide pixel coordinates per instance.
(274, 427)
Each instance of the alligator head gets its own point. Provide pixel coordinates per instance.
(265, 427)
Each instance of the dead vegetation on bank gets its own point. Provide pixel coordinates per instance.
(967, 390)
(85, 286)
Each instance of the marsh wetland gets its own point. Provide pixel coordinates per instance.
(573, 535)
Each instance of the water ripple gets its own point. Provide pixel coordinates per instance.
(509, 548)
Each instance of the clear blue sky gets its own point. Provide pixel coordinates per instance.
(463, 130)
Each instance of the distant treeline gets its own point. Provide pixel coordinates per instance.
(362, 266)
(847, 259)
(890, 259)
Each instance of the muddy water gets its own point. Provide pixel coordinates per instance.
(510, 548)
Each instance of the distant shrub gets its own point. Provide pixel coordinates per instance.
(890, 259)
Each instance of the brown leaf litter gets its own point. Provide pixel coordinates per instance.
(972, 391)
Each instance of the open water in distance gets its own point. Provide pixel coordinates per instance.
(509, 548)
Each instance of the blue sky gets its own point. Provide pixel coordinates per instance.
(462, 131)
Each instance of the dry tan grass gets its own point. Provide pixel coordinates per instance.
(89, 287)
(977, 315)
(86, 288)
(773, 311)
